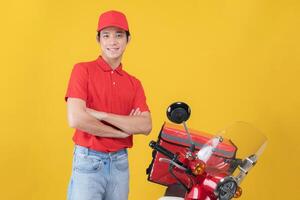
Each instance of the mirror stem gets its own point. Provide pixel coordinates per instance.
(192, 147)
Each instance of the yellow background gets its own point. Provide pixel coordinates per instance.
(229, 60)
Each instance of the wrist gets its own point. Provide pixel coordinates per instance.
(102, 115)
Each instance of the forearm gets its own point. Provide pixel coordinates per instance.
(138, 124)
(87, 123)
(130, 124)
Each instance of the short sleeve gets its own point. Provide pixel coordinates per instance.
(140, 98)
(78, 83)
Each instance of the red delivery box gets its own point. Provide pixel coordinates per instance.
(175, 139)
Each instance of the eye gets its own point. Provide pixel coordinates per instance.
(119, 35)
(105, 35)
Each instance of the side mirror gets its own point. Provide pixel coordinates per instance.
(178, 112)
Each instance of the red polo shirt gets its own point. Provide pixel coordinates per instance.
(107, 90)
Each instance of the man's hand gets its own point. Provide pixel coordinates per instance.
(123, 135)
(137, 122)
(102, 115)
(135, 112)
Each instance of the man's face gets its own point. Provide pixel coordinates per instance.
(113, 42)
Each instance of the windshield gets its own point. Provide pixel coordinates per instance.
(242, 139)
(248, 139)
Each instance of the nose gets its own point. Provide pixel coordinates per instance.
(112, 40)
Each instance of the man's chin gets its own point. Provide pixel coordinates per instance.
(113, 56)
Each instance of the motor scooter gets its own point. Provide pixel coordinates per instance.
(195, 165)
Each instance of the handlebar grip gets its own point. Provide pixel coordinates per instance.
(162, 150)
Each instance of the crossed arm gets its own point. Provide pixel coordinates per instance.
(88, 120)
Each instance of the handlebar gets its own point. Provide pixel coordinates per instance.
(166, 152)
(162, 150)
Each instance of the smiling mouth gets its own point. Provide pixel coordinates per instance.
(112, 49)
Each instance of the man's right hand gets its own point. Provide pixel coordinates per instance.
(135, 112)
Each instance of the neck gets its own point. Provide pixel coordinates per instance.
(113, 63)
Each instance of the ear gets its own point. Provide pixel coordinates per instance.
(97, 38)
(129, 38)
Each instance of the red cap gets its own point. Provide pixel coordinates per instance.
(112, 18)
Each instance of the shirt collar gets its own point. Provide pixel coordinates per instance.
(106, 67)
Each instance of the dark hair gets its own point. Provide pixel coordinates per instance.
(127, 35)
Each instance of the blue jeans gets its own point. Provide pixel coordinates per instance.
(99, 176)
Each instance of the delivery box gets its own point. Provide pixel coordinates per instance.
(175, 139)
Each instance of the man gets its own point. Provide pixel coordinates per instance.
(106, 106)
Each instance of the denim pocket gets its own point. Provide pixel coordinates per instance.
(122, 162)
(87, 163)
